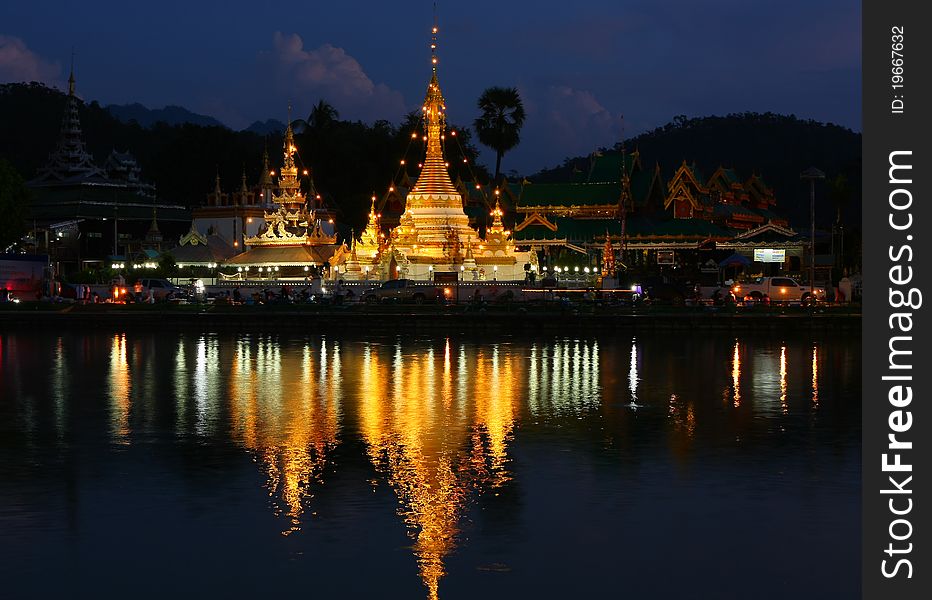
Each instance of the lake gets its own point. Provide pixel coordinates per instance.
(169, 464)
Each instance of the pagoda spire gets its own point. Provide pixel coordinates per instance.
(265, 180)
(71, 76)
(434, 178)
(70, 162)
(289, 189)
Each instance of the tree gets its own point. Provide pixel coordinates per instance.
(499, 126)
(14, 201)
(322, 115)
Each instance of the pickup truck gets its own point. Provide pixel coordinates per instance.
(777, 289)
(401, 290)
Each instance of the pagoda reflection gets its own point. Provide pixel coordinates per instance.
(285, 409)
(437, 425)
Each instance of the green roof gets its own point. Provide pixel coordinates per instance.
(695, 229)
(736, 210)
(769, 215)
(569, 194)
(607, 167)
(640, 186)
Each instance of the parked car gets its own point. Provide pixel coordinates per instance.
(162, 288)
(660, 290)
(401, 290)
(777, 289)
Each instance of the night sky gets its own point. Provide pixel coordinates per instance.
(578, 65)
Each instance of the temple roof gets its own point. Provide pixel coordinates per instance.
(284, 256)
(215, 250)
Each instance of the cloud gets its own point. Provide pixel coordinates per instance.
(328, 73)
(19, 63)
(562, 122)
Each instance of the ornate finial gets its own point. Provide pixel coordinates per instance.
(433, 42)
(217, 185)
(244, 189)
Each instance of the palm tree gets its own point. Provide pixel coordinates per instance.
(322, 115)
(500, 124)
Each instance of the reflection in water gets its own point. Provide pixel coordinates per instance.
(736, 375)
(683, 415)
(285, 408)
(119, 390)
(438, 421)
(815, 376)
(61, 387)
(633, 372)
(431, 451)
(783, 403)
(563, 377)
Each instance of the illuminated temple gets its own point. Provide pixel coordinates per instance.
(295, 234)
(433, 234)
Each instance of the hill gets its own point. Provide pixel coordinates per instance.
(172, 115)
(267, 127)
(778, 147)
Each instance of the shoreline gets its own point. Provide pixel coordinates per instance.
(425, 319)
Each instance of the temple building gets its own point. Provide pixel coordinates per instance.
(295, 238)
(434, 233)
(88, 215)
(236, 215)
(618, 206)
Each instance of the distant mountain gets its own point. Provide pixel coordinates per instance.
(171, 115)
(776, 147)
(269, 126)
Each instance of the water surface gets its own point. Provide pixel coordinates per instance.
(153, 465)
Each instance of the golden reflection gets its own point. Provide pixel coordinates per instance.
(736, 375)
(120, 385)
(783, 403)
(285, 408)
(815, 376)
(433, 453)
(683, 415)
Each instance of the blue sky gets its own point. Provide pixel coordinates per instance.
(579, 66)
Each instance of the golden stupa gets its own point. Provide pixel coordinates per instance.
(434, 233)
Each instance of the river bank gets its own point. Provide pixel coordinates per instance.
(405, 319)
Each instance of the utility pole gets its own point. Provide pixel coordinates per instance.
(812, 174)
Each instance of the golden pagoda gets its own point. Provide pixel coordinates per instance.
(434, 233)
(294, 236)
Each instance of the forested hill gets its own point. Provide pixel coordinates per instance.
(778, 147)
(350, 160)
(171, 115)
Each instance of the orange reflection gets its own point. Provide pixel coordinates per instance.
(815, 376)
(286, 410)
(432, 452)
(736, 375)
(783, 403)
(120, 385)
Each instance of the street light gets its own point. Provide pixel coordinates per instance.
(812, 174)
